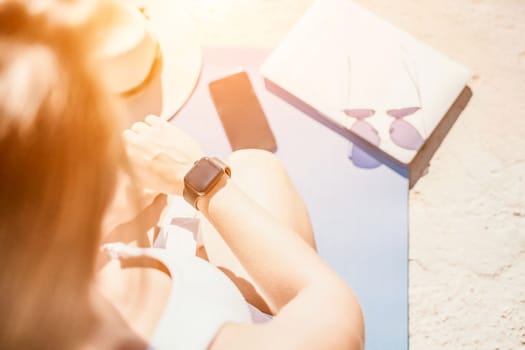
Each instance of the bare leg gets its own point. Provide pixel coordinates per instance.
(260, 175)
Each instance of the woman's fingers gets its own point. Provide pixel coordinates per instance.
(140, 127)
(154, 120)
(133, 139)
(129, 135)
(137, 150)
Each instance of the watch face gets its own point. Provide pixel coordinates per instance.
(203, 176)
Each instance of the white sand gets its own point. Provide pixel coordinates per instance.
(467, 217)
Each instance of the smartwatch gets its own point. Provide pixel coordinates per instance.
(202, 178)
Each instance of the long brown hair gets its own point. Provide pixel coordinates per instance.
(59, 154)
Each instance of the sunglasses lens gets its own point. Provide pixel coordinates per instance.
(366, 131)
(402, 112)
(359, 157)
(405, 135)
(359, 113)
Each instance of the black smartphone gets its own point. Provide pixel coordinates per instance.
(241, 114)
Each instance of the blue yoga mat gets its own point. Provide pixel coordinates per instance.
(360, 216)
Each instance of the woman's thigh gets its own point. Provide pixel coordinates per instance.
(260, 175)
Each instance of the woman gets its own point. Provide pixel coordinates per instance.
(60, 156)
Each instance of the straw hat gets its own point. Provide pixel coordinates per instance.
(176, 69)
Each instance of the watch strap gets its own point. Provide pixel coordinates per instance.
(225, 167)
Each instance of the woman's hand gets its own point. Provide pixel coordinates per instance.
(161, 154)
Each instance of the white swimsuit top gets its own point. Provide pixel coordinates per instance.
(202, 298)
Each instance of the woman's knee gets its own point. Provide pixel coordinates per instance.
(261, 175)
(257, 171)
(254, 160)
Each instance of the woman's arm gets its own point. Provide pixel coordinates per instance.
(314, 308)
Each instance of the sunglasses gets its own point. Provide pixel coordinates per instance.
(402, 133)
